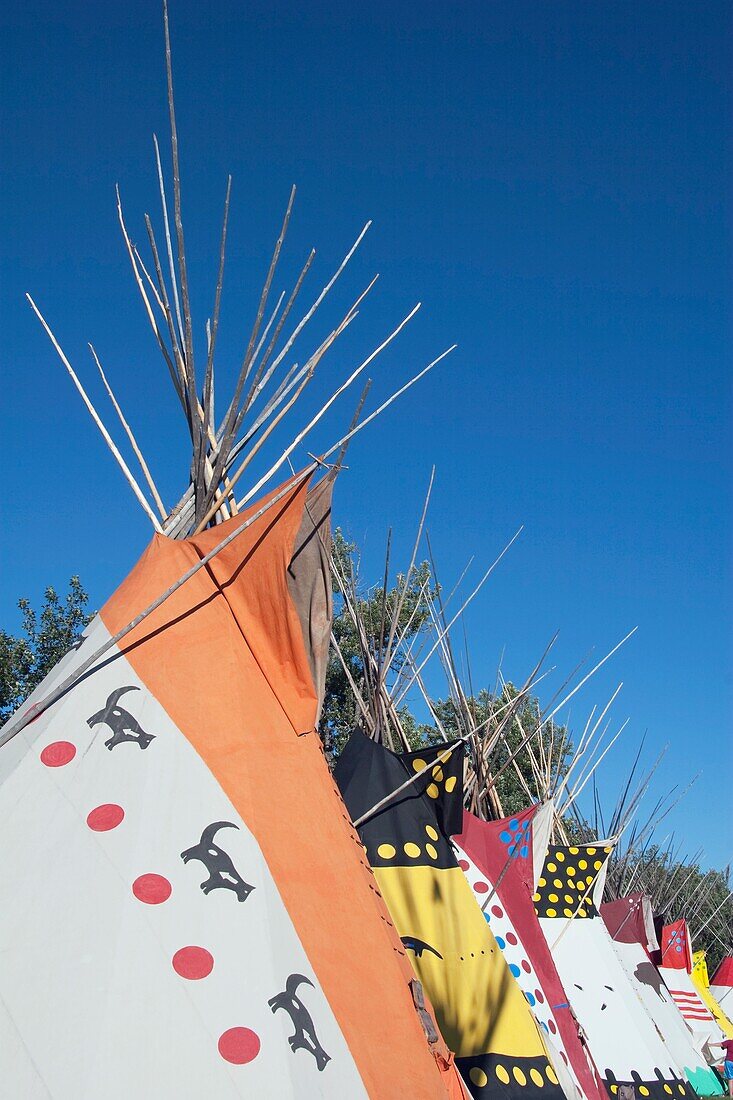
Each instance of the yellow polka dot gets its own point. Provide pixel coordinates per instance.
(450, 783)
(432, 790)
(447, 756)
(568, 912)
(667, 1089)
(614, 1089)
(574, 851)
(643, 1090)
(411, 850)
(570, 899)
(432, 833)
(608, 852)
(551, 1076)
(519, 1076)
(560, 857)
(591, 851)
(478, 1076)
(437, 773)
(542, 882)
(536, 897)
(571, 871)
(502, 1074)
(418, 765)
(581, 912)
(553, 897)
(537, 1078)
(552, 912)
(582, 863)
(557, 882)
(432, 851)
(681, 1090)
(551, 867)
(598, 864)
(386, 851)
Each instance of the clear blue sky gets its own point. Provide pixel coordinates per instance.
(552, 181)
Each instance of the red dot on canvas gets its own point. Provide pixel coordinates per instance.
(58, 753)
(193, 963)
(551, 1025)
(511, 938)
(540, 996)
(497, 911)
(152, 889)
(462, 864)
(564, 1057)
(526, 967)
(239, 1045)
(105, 817)
(481, 887)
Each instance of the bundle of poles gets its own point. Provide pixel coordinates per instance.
(268, 382)
(401, 627)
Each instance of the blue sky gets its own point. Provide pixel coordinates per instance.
(551, 180)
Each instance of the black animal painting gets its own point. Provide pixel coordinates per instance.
(124, 726)
(304, 1037)
(223, 875)
(648, 974)
(412, 943)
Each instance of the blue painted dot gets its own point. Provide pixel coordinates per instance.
(511, 848)
(501, 942)
(678, 948)
(514, 824)
(487, 917)
(505, 837)
(530, 998)
(544, 1025)
(515, 969)
(523, 851)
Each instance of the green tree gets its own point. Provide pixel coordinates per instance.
(340, 712)
(517, 784)
(683, 889)
(45, 638)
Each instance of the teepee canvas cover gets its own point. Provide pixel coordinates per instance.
(702, 984)
(502, 861)
(625, 1044)
(480, 1009)
(676, 969)
(630, 923)
(187, 910)
(721, 985)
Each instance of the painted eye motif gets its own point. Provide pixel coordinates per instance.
(412, 943)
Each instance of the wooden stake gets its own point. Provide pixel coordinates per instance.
(97, 420)
(131, 437)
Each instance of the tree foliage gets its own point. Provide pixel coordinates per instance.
(341, 712)
(680, 887)
(517, 781)
(45, 638)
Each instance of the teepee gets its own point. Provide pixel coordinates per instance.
(630, 924)
(170, 826)
(721, 985)
(406, 807)
(675, 966)
(502, 861)
(626, 1045)
(702, 982)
